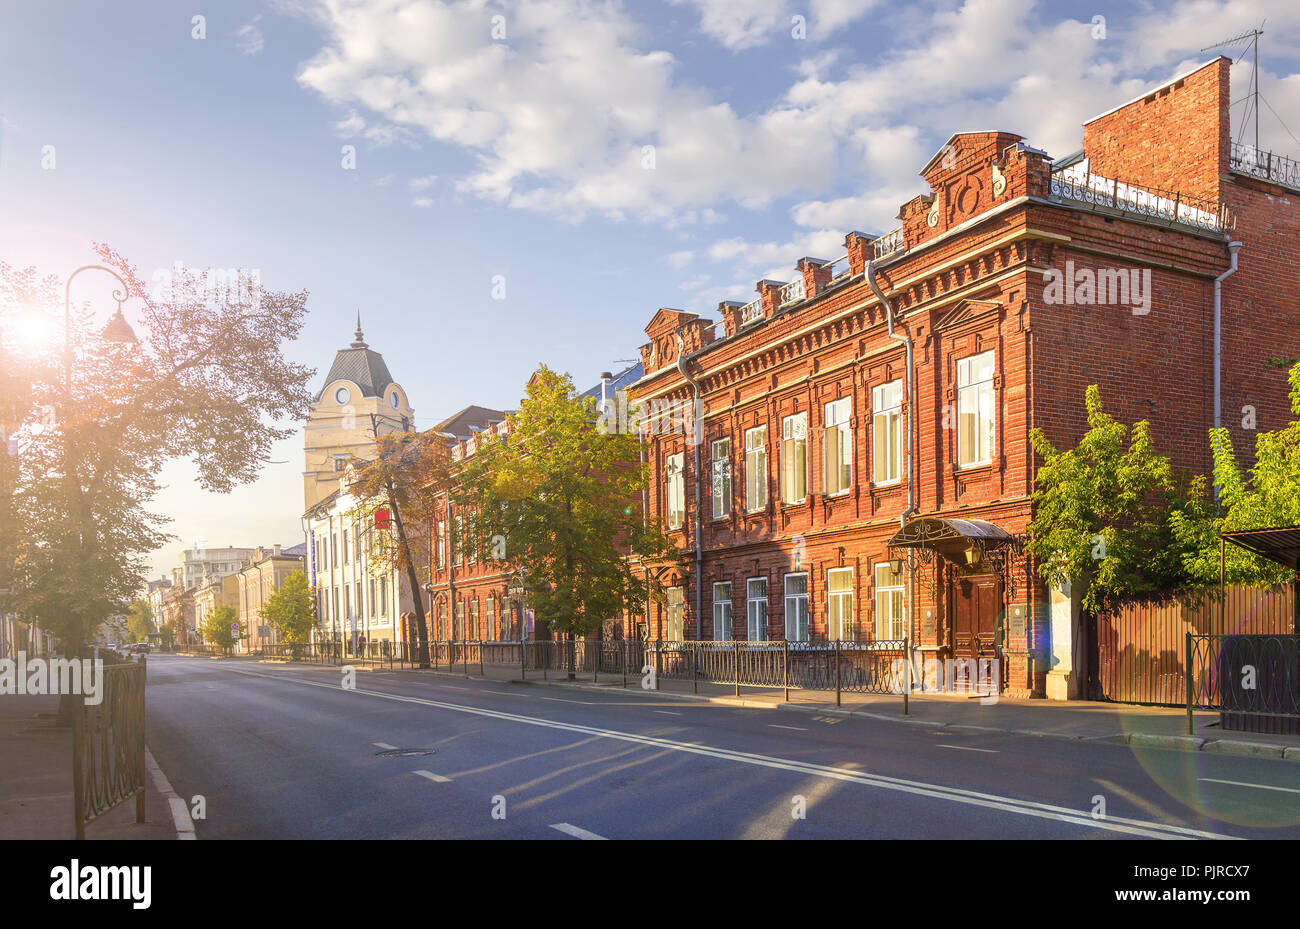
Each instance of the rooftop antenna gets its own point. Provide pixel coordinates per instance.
(1251, 36)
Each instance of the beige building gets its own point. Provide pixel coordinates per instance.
(198, 563)
(358, 401)
(256, 583)
(356, 596)
(214, 592)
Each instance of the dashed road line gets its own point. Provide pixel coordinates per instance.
(433, 777)
(967, 748)
(1215, 780)
(569, 829)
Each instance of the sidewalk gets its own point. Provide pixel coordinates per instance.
(1152, 727)
(36, 781)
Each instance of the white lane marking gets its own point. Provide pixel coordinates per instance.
(796, 728)
(433, 777)
(577, 833)
(180, 812)
(1215, 780)
(668, 713)
(384, 745)
(937, 791)
(967, 748)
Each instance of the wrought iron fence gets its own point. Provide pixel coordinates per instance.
(1265, 165)
(108, 745)
(1095, 190)
(1247, 678)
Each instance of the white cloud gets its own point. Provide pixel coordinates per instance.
(422, 183)
(249, 39)
(680, 259)
(422, 202)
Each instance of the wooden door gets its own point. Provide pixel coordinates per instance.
(977, 603)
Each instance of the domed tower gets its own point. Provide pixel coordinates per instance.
(358, 401)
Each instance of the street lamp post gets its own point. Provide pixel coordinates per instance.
(118, 330)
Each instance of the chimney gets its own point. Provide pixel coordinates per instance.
(276, 549)
(816, 275)
(857, 244)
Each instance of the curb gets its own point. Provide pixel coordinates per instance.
(1254, 749)
(180, 812)
(1183, 743)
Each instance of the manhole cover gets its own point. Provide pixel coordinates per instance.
(404, 752)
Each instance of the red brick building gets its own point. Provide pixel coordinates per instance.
(865, 470)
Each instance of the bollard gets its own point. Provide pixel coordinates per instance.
(523, 660)
(658, 662)
(480, 657)
(1187, 674)
(837, 672)
(735, 662)
(785, 667)
(907, 673)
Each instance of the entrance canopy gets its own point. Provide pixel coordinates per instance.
(959, 540)
(1280, 544)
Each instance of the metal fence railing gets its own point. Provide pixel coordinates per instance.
(1252, 680)
(108, 744)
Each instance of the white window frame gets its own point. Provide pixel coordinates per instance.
(756, 469)
(887, 433)
(756, 610)
(720, 462)
(796, 610)
(722, 611)
(837, 446)
(980, 393)
(794, 459)
(890, 626)
(840, 618)
(675, 489)
(676, 613)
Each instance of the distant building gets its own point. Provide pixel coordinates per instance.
(255, 584)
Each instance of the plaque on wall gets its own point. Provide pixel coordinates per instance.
(1016, 623)
(929, 624)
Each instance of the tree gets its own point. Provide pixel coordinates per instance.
(1102, 509)
(217, 628)
(291, 610)
(139, 620)
(555, 498)
(408, 472)
(206, 380)
(1266, 496)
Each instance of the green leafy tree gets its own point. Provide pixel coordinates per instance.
(1101, 511)
(405, 477)
(556, 498)
(205, 379)
(139, 620)
(1265, 496)
(216, 627)
(291, 610)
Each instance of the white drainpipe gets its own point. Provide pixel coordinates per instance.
(697, 429)
(1233, 247)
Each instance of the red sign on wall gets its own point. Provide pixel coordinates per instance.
(383, 518)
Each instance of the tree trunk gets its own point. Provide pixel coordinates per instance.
(421, 630)
(571, 649)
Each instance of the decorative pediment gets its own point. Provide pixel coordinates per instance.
(667, 320)
(966, 311)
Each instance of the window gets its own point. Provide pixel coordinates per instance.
(676, 614)
(721, 612)
(458, 542)
(361, 600)
(756, 469)
(839, 446)
(347, 602)
(889, 604)
(796, 607)
(473, 619)
(472, 543)
(887, 432)
(490, 608)
(442, 618)
(337, 614)
(345, 546)
(975, 409)
(458, 625)
(373, 603)
(839, 604)
(676, 502)
(794, 458)
(756, 601)
(356, 544)
(442, 543)
(721, 456)
(383, 596)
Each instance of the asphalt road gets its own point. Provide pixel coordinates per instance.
(281, 751)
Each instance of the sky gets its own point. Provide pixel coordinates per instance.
(599, 160)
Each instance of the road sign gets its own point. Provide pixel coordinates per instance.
(234, 629)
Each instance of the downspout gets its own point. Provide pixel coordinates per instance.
(1233, 247)
(911, 387)
(697, 427)
(908, 466)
